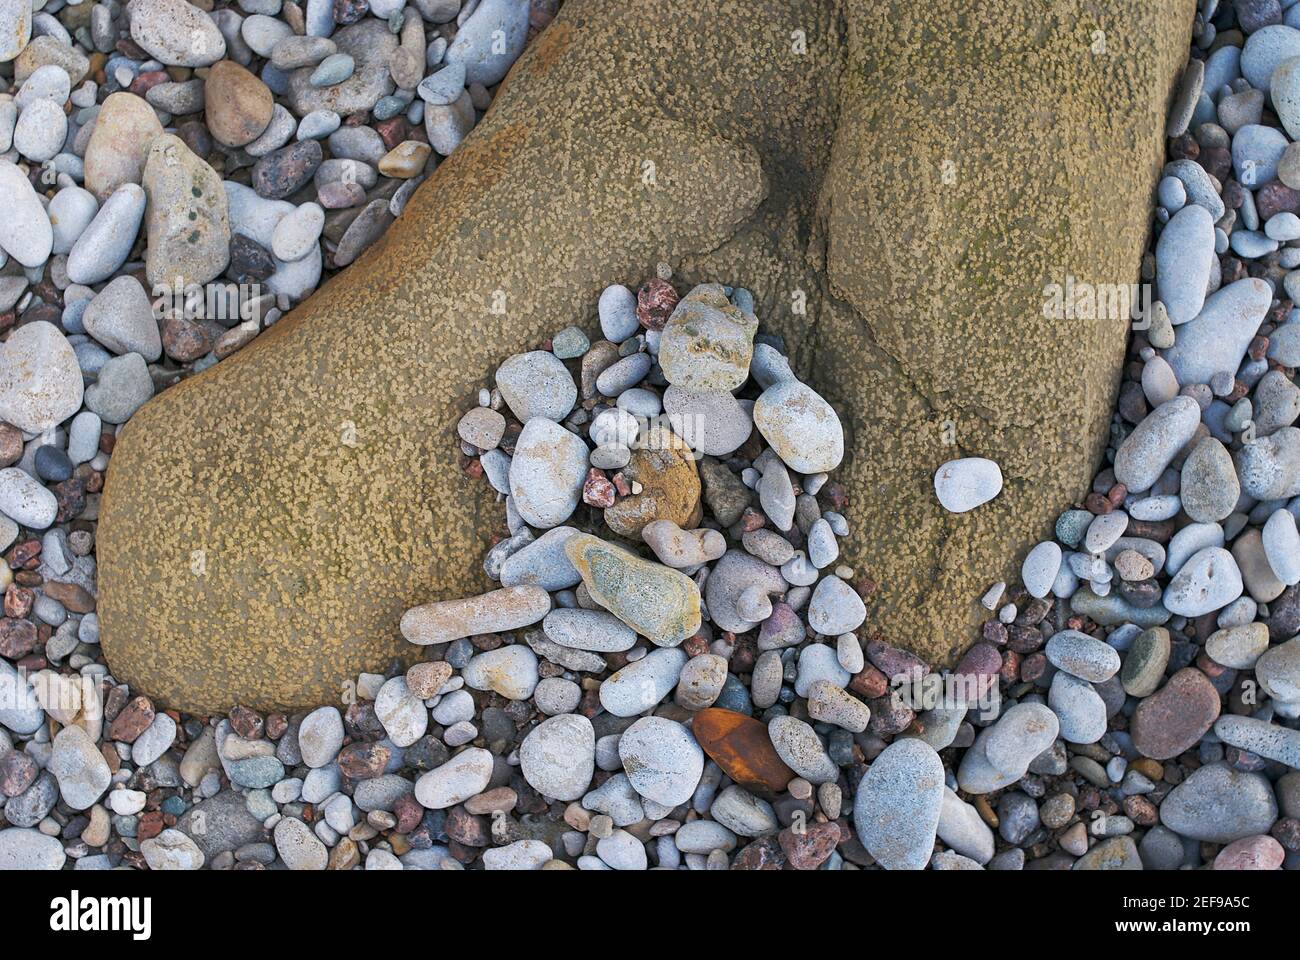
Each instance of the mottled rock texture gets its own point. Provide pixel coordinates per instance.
(915, 176)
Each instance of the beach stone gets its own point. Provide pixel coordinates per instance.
(961, 828)
(125, 128)
(657, 602)
(662, 761)
(1002, 752)
(1219, 805)
(1175, 718)
(1278, 671)
(1260, 737)
(23, 848)
(403, 715)
(320, 736)
(1153, 444)
(799, 747)
(1256, 574)
(488, 219)
(1209, 489)
(490, 40)
(177, 33)
(641, 684)
(15, 31)
(121, 318)
(298, 847)
(558, 757)
(542, 563)
(665, 468)
(25, 500)
(187, 217)
(536, 384)
(1184, 255)
(1251, 853)
(835, 608)
(1208, 581)
(497, 611)
(803, 429)
(962, 485)
(1281, 544)
(42, 127)
(80, 768)
(588, 630)
(1082, 656)
(237, 105)
(1269, 468)
(1276, 403)
(897, 807)
(714, 424)
(616, 309)
(1217, 339)
(25, 231)
(1115, 853)
(680, 548)
(104, 245)
(708, 341)
(738, 571)
(70, 212)
(40, 380)
(370, 44)
(1144, 665)
(1078, 707)
(547, 473)
(741, 747)
(463, 776)
(509, 671)
(1040, 567)
(123, 387)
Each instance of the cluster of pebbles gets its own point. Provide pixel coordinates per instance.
(163, 159)
(677, 668)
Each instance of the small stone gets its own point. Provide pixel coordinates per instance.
(121, 318)
(962, 485)
(80, 768)
(707, 342)
(238, 106)
(1209, 581)
(558, 757)
(40, 380)
(509, 671)
(189, 228)
(897, 807)
(657, 602)
(1144, 666)
(547, 472)
(495, 612)
(1219, 804)
(662, 761)
(1081, 712)
(799, 747)
(298, 847)
(463, 776)
(25, 231)
(490, 40)
(104, 245)
(641, 684)
(1174, 719)
(123, 387)
(177, 33)
(801, 427)
(1082, 656)
(835, 608)
(741, 747)
(1154, 443)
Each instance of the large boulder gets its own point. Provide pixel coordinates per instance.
(896, 183)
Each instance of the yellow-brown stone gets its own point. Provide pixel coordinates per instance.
(664, 466)
(895, 188)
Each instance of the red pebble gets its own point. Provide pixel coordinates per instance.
(597, 491)
(654, 302)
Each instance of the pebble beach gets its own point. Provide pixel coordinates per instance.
(674, 666)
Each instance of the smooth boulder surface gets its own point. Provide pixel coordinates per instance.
(288, 555)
